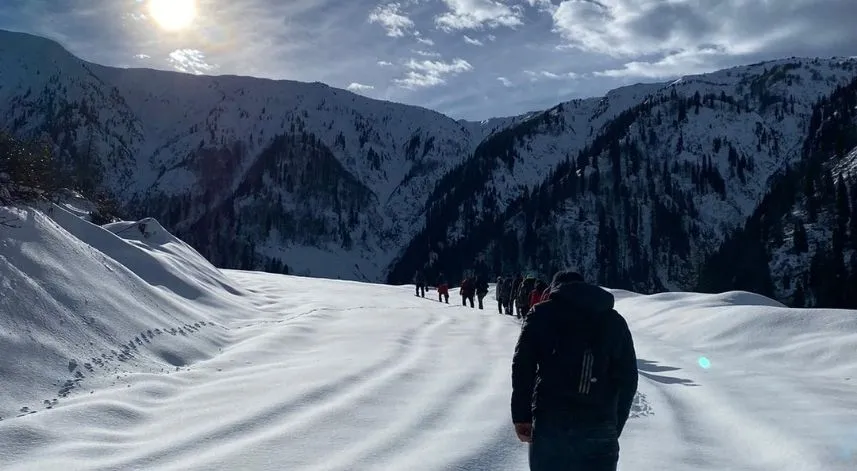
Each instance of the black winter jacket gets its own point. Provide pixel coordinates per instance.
(481, 287)
(534, 394)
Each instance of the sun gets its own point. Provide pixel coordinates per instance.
(173, 15)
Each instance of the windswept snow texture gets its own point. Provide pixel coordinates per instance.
(252, 371)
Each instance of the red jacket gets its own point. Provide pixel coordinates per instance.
(467, 288)
(538, 295)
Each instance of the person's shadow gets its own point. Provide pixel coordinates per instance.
(648, 369)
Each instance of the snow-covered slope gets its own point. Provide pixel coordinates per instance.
(79, 303)
(183, 366)
(800, 244)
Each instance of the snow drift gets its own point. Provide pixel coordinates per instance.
(79, 301)
(173, 364)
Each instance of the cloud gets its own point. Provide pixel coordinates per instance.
(142, 56)
(506, 82)
(476, 14)
(693, 62)
(190, 61)
(359, 87)
(630, 29)
(390, 17)
(475, 42)
(543, 5)
(546, 74)
(428, 73)
(620, 42)
(426, 53)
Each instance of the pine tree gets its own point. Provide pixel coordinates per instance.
(799, 298)
(799, 238)
(843, 209)
(853, 217)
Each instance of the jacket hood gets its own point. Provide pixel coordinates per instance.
(583, 297)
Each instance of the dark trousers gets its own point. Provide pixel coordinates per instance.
(465, 298)
(421, 290)
(557, 447)
(441, 296)
(481, 297)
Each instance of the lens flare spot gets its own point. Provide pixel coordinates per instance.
(704, 363)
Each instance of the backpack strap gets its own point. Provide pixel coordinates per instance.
(592, 337)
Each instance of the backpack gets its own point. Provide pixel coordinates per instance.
(579, 359)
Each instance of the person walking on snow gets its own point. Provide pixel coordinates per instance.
(502, 292)
(513, 293)
(524, 290)
(467, 291)
(537, 294)
(574, 376)
(497, 290)
(420, 283)
(481, 289)
(442, 289)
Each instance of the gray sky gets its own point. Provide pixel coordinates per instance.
(469, 59)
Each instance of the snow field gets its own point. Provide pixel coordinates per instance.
(268, 372)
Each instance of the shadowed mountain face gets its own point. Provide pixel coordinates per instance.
(636, 189)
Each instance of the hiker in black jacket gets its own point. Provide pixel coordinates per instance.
(420, 283)
(574, 376)
(481, 289)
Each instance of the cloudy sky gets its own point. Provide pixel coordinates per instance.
(467, 58)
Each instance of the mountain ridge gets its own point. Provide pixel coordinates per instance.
(314, 180)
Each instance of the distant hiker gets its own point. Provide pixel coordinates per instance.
(523, 298)
(510, 289)
(442, 289)
(537, 293)
(467, 291)
(574, 376)
(504, 286)
(513, 292)
(481, 289)
(420, 283)
(497, 290)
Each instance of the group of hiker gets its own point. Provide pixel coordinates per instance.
(514, 295)
(472, 288)
(574, 368)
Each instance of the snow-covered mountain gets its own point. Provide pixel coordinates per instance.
(635, 188)
(329, 181)
(122, 348)
(639, 199)
(800, 244)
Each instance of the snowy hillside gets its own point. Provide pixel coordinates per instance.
(800, 244)
(640, 200)
(123, 349)
(79, 304)
(301, 172)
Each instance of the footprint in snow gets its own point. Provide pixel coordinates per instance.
(641, 407)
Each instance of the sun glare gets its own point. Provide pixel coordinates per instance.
(173, 15)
